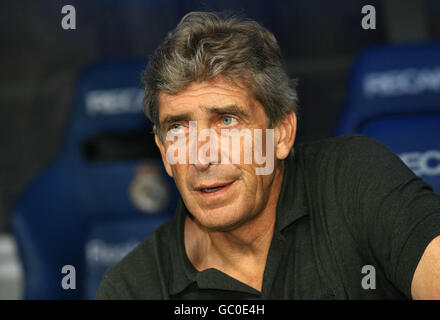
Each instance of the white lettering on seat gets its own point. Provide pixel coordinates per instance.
(114, 101)
(101, 252)
(401, 82)
(423, 163)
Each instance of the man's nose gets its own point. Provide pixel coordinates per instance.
(201, 165)
(207, 148)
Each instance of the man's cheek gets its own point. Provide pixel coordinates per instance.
(178, 174)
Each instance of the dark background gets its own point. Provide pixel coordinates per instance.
(40, 62)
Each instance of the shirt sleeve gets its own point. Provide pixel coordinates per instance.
(394, 213)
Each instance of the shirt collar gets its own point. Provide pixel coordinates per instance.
(183, 272)
(292, 203)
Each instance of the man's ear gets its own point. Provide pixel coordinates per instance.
(163, 152)
(285, 135)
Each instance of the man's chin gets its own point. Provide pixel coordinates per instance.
(216, 221)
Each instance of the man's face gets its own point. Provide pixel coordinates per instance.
(220, 196)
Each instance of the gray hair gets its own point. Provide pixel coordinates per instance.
(205, 45)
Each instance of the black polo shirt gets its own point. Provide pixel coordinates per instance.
(352, 223)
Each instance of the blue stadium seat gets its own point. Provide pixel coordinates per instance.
(105, 191)
(394, 97)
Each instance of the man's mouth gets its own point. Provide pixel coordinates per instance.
(210, 190)
(206, 189)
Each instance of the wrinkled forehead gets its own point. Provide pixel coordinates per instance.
(204, 97)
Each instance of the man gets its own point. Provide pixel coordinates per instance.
(341, 218)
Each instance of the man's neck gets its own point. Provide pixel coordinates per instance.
(241, 252)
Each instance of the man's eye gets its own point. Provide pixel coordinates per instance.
(228, 120)
(176, 127)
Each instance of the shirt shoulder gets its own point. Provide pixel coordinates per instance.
(356, 144)
(372, 206)
(140, 274)
(351, 158)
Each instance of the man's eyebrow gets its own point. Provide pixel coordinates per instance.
(231, 109)
(174, 118)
